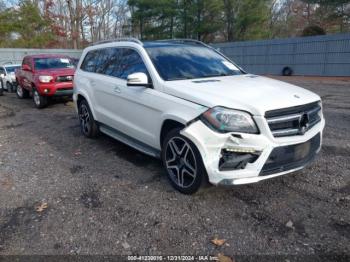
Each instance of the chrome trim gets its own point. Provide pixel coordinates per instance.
(315, 110)
(292, 117)
(279, 119)
(285, 132)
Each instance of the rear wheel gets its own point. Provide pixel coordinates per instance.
(183, 163)
(21, 92)
(88, 125)
(39, 100)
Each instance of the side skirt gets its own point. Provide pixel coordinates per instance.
(134, 143)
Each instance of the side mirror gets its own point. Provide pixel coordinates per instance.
(138, 79)
(26, 68)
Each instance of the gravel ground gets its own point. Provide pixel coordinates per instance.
(103, 197)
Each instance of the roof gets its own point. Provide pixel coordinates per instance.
(47, 56)
(10, 65)
(156, 43)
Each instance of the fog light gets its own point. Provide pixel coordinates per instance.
(236, 160)
(46, 90)
(240, 150)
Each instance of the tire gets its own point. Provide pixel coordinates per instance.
(1, 87)
(21, 92)
(88, 125)
(39, 100)
(287, 71)
(9, 87)
(183, 163)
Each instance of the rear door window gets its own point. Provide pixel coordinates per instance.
(105, 60)
(111, 66)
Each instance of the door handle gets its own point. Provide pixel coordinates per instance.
(117, 89)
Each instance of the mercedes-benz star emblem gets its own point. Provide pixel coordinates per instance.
(303, 123)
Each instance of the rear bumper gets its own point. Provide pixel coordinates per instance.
(56, 89)
(272, 156)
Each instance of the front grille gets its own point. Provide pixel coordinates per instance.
(285, 158)
(64, 78)
(293, 120)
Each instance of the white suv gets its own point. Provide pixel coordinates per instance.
(186, 103)
(7, 76)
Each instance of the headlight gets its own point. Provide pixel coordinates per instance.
(226, 120)
(45, 79)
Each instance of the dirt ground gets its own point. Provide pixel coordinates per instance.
(61, 193)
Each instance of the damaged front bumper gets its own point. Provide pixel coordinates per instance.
(239, 158)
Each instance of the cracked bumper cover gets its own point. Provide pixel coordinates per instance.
(210, 145)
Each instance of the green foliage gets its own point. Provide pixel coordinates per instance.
(202, 19)
(154, 19)
(252, 16)
(24, 27)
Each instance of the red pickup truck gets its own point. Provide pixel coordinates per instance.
(44, 76)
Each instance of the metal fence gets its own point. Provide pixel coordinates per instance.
(15, 55)
(318, 55)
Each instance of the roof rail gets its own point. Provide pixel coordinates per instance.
(122, 39)
(185, 40)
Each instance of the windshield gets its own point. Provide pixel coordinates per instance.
(177, 62)
(11, 69)
(52, 63)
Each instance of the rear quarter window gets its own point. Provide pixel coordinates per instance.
(90, 61)
(114, 61)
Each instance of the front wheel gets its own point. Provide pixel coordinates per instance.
(39, 100)
(183, 163)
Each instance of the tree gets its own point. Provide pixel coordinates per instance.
(77, 23)
(24, 27)
(333, 12)
(246, 19)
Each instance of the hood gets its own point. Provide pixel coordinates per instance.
(56, 72)
(255, 94)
